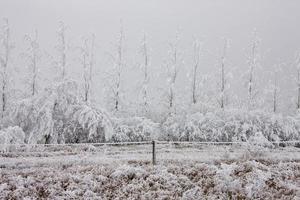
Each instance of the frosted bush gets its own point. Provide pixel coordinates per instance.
(87, 124)
(230, 125)
(258, 139)
(192, 194)
(11, 135)
(134, 129)
(172, 128)
(128, 172)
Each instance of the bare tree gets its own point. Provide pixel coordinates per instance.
(196, 60)
(145, 53)
(275, 90)
(84, 61)
(298, 80)
(33, 55)
(223, 75)
(114, 76)
(91, 62)
(87, 54)
(119, 66)
(253, 63)
(4, 60)
(173, 67)
(62, 49)
(275, 86)
(272, 91)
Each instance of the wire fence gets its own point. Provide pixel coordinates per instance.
(150, 150)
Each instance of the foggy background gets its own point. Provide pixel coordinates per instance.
(276, 23)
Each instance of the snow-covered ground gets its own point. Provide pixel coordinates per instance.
(126, 172)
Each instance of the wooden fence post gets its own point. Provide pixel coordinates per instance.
(153, 153)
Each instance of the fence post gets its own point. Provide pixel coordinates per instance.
(153, 153)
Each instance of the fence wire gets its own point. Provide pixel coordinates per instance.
(164, 150)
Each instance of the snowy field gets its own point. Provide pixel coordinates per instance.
(183, 171)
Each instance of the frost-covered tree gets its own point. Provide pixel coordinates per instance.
(62, 50)
(5, 49)
(84, 62)
(32, 55)
(114, 76)
(145, 67)
(252, 66)
(173, 65)
(92, 63)
(275, 88)
(223, 81)
(88, 62)
(197, 54)
(298, 80)
(118, 66)
(272, 90)
(57, 115)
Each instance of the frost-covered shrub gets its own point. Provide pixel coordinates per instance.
(51, 115)
(134, 129)
(199, 127)
(256, 146)
(41, 116)
(258, 139)
(232, 125)
(272, 126)
(128, 172)
(172, 128)
(87, 124)
(11, 135)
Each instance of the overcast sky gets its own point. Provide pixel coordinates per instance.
(276, 22)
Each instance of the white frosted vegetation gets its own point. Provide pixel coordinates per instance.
(134, 129)
(11, 135)
(234, 180)
(57, 115)
(231, 126)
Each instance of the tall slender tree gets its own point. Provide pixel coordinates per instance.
(92, 62)
(197, 54)
(6, 48)
(275, 91)
(85, 64)
(223, 75)
(119, 65)
(87, 60)
(173, 65)
(32, 55)
(62, 49)
(145, 65)
(253, 64)
(298, 80)
(115, 75)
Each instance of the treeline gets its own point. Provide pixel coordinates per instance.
(65, 112)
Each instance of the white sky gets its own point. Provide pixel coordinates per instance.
(276, 21)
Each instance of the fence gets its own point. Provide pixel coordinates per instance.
(164, 149)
